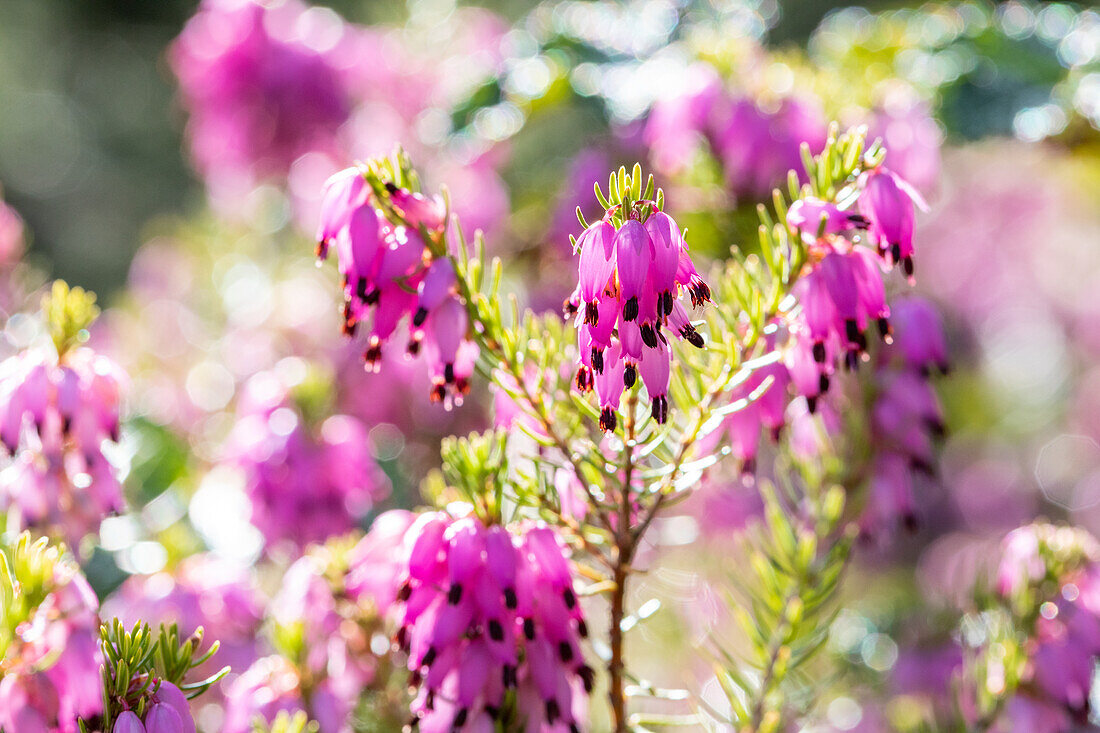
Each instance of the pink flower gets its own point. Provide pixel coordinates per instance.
(259, 92)
(128, 722)
(271, 685)
(918, 334)
(482, 611)
(888, 203)
(758, 147)
(305, 482)
(629, 282)
(389, 273)
(374, 565)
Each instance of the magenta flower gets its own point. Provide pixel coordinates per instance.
(918, 334)
(482, 612)
(305, 482)
(389, 274)
(374, 565)
(888, 203)
(55, 417)
(629, 283)
(128, 722)
(757, 147)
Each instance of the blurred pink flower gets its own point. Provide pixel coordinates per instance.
(263, 86)
(305, 482)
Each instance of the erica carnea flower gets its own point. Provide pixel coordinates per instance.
(49, 640)
(888, 203)
(390, 273)
(633, 266)
(308, 476)
(58, 408)
(491, 626)
(263, 86)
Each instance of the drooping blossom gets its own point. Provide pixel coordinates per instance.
(389, 274)
(889, 202)
(56, 416)
(374, 564)
(306, 482)
(758, 145)
(483, 611)
(203, 591)
(262, 84)
(630, 278)
(49, 641)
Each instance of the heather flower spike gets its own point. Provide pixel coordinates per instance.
(633, 267)
(489, 621)
(390, 245)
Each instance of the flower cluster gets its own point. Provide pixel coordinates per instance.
(756, 136)
(840, 294)
(49, 640)
(483, 612)
(305, 482)
(390, 272)
(1055, 570)
(634, 265)
(168, 712)
(259, 89)
(58, 409)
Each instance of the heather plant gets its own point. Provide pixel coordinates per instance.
(594, 472)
